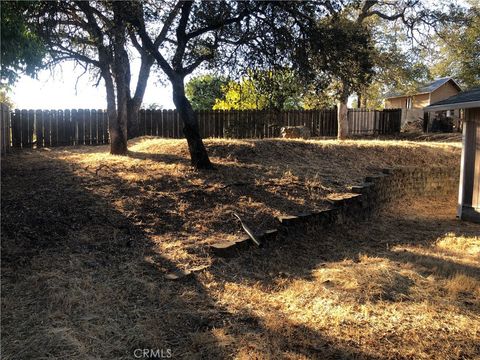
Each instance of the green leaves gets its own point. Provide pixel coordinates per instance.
(459, 54)
(22, 50)
(202, 91)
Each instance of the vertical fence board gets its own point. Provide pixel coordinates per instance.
(106, 127)
(47, 128)
(39, 129)
(92, 115)
(148, 122)
(5, 120)
(31, 128)
(60, 128)
(74, 116)
(164, 123)
(24, 128)
(141, 122)
(100, 125)
(156, 119)
(81, 126)
(179, 126)
(53, 128)
(86, 121)
(16, 129)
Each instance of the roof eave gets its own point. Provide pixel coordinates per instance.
(399, 96)
(452, 106)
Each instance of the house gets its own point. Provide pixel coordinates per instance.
(412, 105)
(469, 187)
(425, 95)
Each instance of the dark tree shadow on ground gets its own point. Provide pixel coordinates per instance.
(82, 280)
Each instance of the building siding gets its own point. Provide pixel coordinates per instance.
(421, 100)
(443, 92)
(396, 103)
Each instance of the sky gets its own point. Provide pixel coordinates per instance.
(60, 90)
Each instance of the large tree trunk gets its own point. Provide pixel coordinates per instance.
(342, 117)
(118, 127)
(132, 119)
(121, 71)
(198, 153)
(116, 145)
(111, 108)
(133, 105)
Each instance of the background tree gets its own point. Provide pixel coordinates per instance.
(338, 57)
(280, 87)
(459, 49)
(413, 20)
(396, 70)
(6, 99)
(240, 95)
(22, 50)
(403, 33)
(202, 91)
(262, 90)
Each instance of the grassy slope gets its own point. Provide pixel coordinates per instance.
(257, 179)
(88, 237)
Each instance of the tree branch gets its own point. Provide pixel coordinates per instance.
(218, 25)
(166, 25)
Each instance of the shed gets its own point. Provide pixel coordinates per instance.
(469, 187)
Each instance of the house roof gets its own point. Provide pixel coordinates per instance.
(463, 100)
(428, 88)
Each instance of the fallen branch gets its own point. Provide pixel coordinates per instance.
(248, 231)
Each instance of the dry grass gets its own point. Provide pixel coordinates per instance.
(258, 179)
(88, 237)
(386, 289)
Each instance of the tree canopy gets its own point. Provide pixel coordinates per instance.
(202, 91)
(262, 89)
(22, 50)
(459, 50)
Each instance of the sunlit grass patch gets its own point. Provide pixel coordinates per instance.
(460, 245)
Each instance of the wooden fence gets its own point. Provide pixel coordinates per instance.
(4, 128)
(373, 122)
(49, 128)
